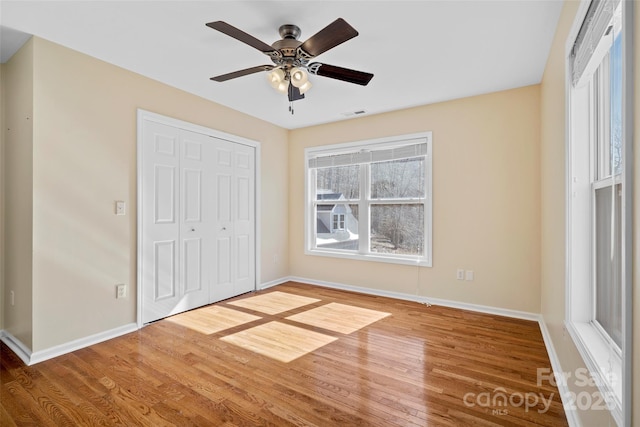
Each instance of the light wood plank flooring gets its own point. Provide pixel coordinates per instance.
(416, 366)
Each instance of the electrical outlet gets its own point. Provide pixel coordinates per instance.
(468, 275)
(460, 274)
(120, 207)
(121, 291)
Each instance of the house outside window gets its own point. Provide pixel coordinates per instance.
(371, 200)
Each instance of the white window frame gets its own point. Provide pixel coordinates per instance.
(609, 365)
(425, 260)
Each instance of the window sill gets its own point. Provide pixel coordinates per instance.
(421, 262)
(603, 363)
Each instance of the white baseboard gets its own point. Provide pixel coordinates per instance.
(273, 283)
(30, 358)
(422, 299)
(21, 350)
(563, 389)
(74, 345)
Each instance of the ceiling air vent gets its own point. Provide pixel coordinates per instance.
(354, 113)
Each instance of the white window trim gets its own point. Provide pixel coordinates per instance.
(600, 357)
(388, 142)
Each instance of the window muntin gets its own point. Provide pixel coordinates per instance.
(386, 215)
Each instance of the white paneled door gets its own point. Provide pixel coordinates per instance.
(234, 212)
(197, 220)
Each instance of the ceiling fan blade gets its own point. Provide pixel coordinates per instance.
(240, 35)
(339, 73)
(329, 37)
(240, 73)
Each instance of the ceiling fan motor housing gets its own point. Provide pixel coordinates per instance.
(288, 47)
(289, 31)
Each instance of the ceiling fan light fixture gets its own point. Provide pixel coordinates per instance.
(276, 78)
(298, 77)
(305, 87)
(283, 86)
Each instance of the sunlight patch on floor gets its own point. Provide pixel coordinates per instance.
(274, 302)
(339, 317)
(212, 319)
(279, 341)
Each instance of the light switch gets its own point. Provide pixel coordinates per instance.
(121, 291)
(119, 207)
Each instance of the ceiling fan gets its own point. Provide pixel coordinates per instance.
(291, 57)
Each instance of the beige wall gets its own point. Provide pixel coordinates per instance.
(486, 198)
(84, 158)
(18, 154)
(553, 215)
(2, 181)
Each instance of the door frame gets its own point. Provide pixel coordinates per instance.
(142, 117)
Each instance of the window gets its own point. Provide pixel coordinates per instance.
(598, 197)
(371, 200)
(606, 192)
(338, 222)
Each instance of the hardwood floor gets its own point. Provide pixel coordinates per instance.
(417, 366)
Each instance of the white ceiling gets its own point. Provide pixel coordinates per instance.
(420, 52)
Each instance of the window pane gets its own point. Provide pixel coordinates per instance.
(341, 182)
(608, 262)
(616, 104)
(337, 227)
(602, 104)
(398, 179)
(397, 229)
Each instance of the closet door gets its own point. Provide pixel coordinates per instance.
(234, 209)
(244, 219)
(175, 276)
(195, 219)
(197, 237)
